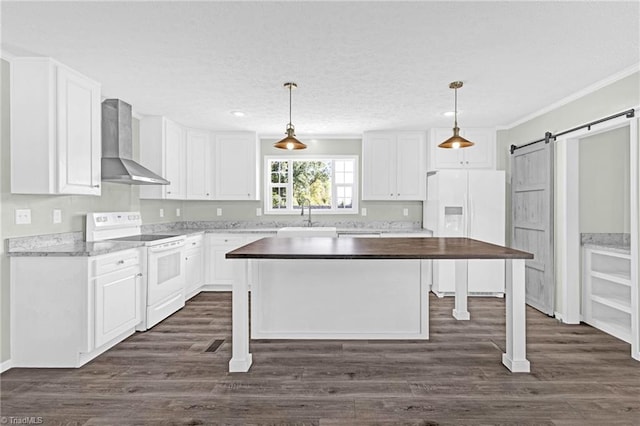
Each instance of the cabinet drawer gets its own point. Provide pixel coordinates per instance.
(115, 261)
(227, 240)
(193, 242)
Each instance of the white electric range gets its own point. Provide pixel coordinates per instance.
(163, 262)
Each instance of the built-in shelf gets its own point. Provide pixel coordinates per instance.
(607, 289)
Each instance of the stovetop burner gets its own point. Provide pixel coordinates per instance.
(144, 237)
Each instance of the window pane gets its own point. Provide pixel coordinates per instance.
(312, 181)
(279, 198)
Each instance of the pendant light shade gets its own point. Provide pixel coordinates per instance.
(290, 142)
(456, 141)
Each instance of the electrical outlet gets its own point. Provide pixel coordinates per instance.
(56, 216)
(363, 211)
(23, 216)
(405, 212)
(161, 212)
(178, 212)
(218, 211)
(258, 211)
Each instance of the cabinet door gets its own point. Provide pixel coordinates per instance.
(117, 304)
(220, 270)
(174, 159)
(411, 178)
(78, 125)
(194, 271)
(444, 158)
(482, 154)
(379, 166)
(199, 166)
(236, 160)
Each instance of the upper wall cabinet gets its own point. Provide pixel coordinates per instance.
(55, 129)
(236, 170)
(393, 166)
(482, 155)
(200, 165)
(162, 150)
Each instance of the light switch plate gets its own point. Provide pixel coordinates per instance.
(218, 211)
(56, 216)
(23, 216)
(161, 212)
(363, 211)
(405, 212)
(258, 211)
(178, 212)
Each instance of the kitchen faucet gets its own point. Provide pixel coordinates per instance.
(308, 207)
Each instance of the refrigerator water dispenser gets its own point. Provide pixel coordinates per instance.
(454, 220)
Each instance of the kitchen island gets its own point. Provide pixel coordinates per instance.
(368, 257)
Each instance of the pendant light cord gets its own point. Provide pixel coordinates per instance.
(455, 102)
(290, 104)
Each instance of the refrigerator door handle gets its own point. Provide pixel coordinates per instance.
(470, 216)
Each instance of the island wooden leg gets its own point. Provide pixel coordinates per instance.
(460, 312)
(241, 358)
(516, 357)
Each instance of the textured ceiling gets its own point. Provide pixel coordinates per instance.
(359, 65)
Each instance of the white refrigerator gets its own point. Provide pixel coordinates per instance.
(467, 203)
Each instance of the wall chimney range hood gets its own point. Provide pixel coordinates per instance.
(117, 148)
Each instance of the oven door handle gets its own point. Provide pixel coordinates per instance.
(167, 246)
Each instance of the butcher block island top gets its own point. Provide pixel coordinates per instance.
(374, 248)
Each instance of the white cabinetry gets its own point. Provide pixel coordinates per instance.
(162, 150)
(199, 165)
(55, 129)
(65, 311)
(393, 166)
(118, 303)
(482, 155)
(236, 166)
(194, 264)
(219, 271)
(607, 293)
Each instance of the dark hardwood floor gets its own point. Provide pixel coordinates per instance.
(580, 376)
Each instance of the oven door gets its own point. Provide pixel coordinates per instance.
(165, 272)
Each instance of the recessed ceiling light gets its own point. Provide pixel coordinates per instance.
(238, 113)
(451, 113)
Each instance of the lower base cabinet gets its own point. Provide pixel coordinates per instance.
(194, 264)
(67, 310)
(219, 271)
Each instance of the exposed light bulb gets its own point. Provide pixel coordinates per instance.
(455, 145)
(289, 145)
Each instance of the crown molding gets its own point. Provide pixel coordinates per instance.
(581, 93)
(6, 55)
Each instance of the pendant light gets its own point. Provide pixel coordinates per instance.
(290, 142)
(456, 141)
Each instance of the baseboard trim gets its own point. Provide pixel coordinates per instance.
(6, 365)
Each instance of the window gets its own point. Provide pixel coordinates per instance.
(327, 184)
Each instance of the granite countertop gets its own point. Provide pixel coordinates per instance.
(615, 242)
(73, 244)
(79, 248)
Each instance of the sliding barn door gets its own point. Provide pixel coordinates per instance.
(532, 220)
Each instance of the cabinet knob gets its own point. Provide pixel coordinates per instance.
(96, 186)
(120, 262)
(168, 192)
(461, 162)
(139, 274)
(193, 244)
(398, 194)
(467, 162)
(207, 194)
(391, 195)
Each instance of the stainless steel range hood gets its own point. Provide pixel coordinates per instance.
(117, 148)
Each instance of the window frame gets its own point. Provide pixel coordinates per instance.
(289, 210)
